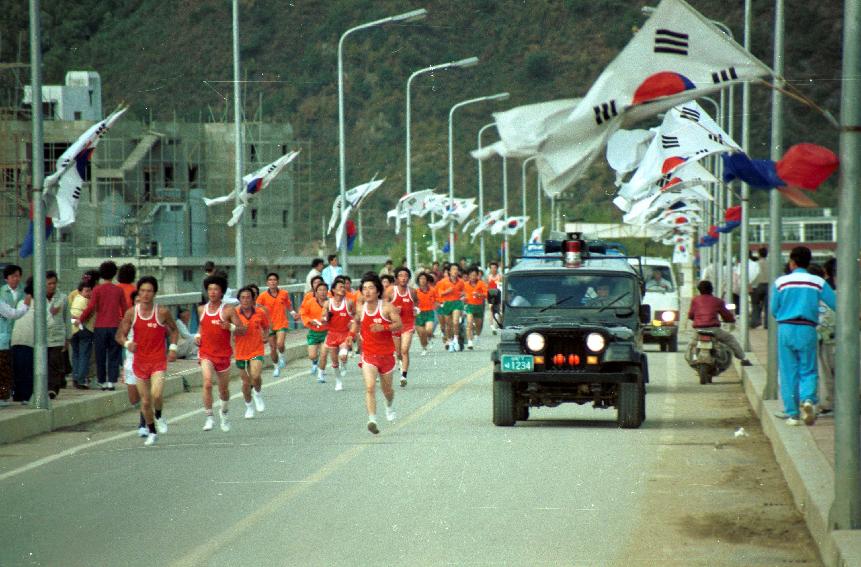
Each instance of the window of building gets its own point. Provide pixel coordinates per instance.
(188, 275)
(77, 114)
(253, 217)
(252, 151)
(819, 232)
(48, 109)
(168, 175)
(791, 232)
(147, 185)
(192, 175)
(284, 219)
(91, 97)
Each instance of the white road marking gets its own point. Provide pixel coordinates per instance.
(84, 446)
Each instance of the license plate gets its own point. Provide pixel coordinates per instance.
(517, 363)
(705, 345)
(662, 332)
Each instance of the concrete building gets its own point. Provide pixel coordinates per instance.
(79, 99)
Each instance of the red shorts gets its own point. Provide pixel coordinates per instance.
(404, 330)
(145, 370)
(221, 364)
(383, 363)
(335, 339)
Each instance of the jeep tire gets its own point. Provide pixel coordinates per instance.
(631, 405)
(503, 403)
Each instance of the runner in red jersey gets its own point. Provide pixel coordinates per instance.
(151, 324)
(277, 303)
(339, 313)
(250, 349)
(404, 298)
(377, 320)
(217, 321)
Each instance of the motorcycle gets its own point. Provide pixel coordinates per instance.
(708, 356)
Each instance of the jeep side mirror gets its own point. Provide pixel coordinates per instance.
(645, 313)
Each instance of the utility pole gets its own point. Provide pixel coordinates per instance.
(40, 341)
(775, 265)
(846, 510)
(744, 276)
(238, 149)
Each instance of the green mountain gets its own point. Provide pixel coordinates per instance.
(171, 58)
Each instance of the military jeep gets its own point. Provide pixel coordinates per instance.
(571, 331)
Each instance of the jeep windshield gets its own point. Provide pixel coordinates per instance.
(546, 293)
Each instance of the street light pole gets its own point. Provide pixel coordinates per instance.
(497, 96)
(846, 508)
(526, 162)
(411, 16)
(463, 63)
(775, 265)
(505, 255)
(238, 149)
(483, 255)
(744, 245)
(40, 338)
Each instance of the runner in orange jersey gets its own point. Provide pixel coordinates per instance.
(217, 322)
(313, 317)
(250, 350)
(151, 325)
(427, 301)
(494, 285)
(376, 322)
(404, 298)
(450, 294)
(475, 293)
(277, 303)
(339, 313)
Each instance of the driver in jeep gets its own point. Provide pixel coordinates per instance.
(707, 311)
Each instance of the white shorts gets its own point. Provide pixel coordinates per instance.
(130, 377)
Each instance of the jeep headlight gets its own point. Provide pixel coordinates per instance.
(595, 342)
(535, 342)
(668, 316)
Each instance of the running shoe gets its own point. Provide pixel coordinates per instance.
(343, 371)
(372, 427)
(225, 422)
(338, 385)
(403, 381)
(469, 345)
(276, 372)
(258, 401)
(321, 377)
(150, 439)
(314, 369)
(161, 425)
(249, 411)
(793, 420)
(281, 361)
(424, 352)
(390, 413)
(143, 431)
(808, 413)
(209, 423)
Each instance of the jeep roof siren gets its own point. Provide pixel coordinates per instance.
(573, 249)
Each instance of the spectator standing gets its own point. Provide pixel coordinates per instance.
(109, 304)
(59, 334)
(126, 281)
(795, 306)
(388, 269)
(332, 271)
(185, 347)
(82, 337)
(759, 292)
(827, 341)
(436, 271)
(316, 270)
(11, 294)
(22, 340)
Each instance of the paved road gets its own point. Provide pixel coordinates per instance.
(306, 484)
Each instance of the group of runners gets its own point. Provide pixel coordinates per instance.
(377, 322)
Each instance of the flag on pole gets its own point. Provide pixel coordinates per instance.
(523, 128)
(27, 246)
(63, 187)
(805, 166)
(355, 197)
(509, 226)
(537, 235)
(678, 55)
(412, 204)
(252, 184)
(487, 222)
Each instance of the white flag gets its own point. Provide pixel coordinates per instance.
(63, 187)
(524, 128)
(355, 197)
(681, 253)
(678, 55)
(509, 226)
(537, 236)
(487, 222)
(412, 204)
(626, 149)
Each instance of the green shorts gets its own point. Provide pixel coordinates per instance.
(477, 311)
(273, 332)
(424, 318)
(316, 337)
(242, 364)
(449, 307)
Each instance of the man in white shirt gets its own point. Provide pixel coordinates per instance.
(332, 271)
(316, 270)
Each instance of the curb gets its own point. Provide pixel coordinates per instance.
(27, 423)
(808, 474)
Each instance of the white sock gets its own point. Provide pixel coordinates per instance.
(249, 404)
(372, 417)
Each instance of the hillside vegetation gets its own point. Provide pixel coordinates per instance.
(175, 57)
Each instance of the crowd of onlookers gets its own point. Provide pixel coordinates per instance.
(81, 330)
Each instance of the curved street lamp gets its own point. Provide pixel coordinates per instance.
(406, 17)
(462, 64)
(497, 96)
(481, 130)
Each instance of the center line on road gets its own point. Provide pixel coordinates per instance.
(202, 553)
(84, 446)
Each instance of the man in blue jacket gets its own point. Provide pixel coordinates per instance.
(795, 301)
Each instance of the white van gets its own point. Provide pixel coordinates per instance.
(662, 295)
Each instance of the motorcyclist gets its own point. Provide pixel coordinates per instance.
(707, 311)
